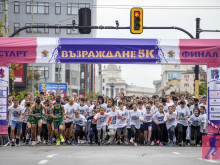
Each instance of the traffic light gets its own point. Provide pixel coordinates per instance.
(136, 24)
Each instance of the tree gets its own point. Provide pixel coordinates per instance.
(29, 77)
(203, 87)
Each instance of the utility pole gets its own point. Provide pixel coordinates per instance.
(59, 80)
(196, 70)
(32, 71)
(5, 13)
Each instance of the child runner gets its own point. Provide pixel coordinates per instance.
(135, 124)
(84, 109)
(58, 114)
(101, 120)
(16, 112)
(112, 123)
(27, 121)
(171, 122)
(93, 130)
(182, 122)
(122, 120)
(109, 105)
(36, 112)
(158, 119)
(195, 121)
(79, 125)
(204, 124)
(147, 125)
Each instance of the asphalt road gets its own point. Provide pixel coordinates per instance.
(102, 155)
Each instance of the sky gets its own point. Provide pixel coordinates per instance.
(110, 10)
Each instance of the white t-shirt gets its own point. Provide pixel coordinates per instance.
(172, 119)
(103, 106)
(108, 109)
(16, 113)
(142, 111)
(147, 117)
(91, 109)
(204, 123)
(70, 111)
(182, 112)
(195, 120)
(123, 113)
(135, 118)
(81, 120)
(165, 108)
(113, 119)
(101, 121)
(22, 103)
(83, 109)
(159, 117)
(154, 109)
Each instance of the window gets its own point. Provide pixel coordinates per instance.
(57, 30)
(103, 80)
(186, 85)
(16, 7)
(37, 30)
(176, 66)
(38, 7)
(103, 88)
(57, 8)
(186, 76)
(16, 26)
(1, 7)
(69, 30)
(82, 86)
(43, 70)
(72, 8)
(82, 75)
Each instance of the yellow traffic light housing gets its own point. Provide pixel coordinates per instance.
(136, 24)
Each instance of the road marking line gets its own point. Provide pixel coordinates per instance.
(176, 153)
(43, 162)
(209, 160)
(51, 156)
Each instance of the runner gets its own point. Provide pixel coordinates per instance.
(15, 112)
(70, 109)
(58, 114)
(50, 126)
(36, 112)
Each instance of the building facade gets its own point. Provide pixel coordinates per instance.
(112, 84)
(178, 78)
(49, 12)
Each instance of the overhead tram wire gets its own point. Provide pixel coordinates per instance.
(144, 7)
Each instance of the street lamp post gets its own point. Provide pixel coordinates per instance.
(112, 89)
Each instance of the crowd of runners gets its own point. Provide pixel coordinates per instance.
(168, 120)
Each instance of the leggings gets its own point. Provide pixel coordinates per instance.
(171, 132)
(102, 132)
(45, 131)
(79, 133)
(23, 135)
(181, 133)
(160, 130)
(195, 133)
(135, 133)
(93, 133)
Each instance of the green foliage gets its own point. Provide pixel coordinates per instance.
(93, 95)
(203, 87)
(20, 95)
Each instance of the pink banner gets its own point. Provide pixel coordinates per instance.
(202, 51)
(19, 50)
